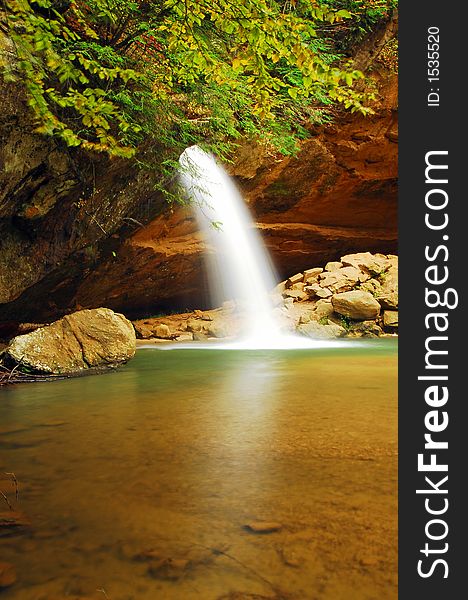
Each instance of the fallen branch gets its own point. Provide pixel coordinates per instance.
(4, 496)
(219, 552)
(15, 375)
(14, 369)
(12, 477)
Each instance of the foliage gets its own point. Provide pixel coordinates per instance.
(108, 75)
(365, 16)
(345, 322)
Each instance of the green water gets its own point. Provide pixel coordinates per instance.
(138, 484)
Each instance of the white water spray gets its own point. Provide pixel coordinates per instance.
(241, 268)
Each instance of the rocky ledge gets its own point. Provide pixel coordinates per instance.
(356, 296)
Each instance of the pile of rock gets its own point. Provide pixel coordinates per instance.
(356, 296)
(198, 325)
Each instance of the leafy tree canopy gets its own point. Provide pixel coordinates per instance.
(108, 75)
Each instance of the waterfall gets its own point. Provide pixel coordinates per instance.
(240, 268)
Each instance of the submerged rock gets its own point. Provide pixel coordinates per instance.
(263, 526)
(7, 575)
(292, 555)
(169, 568)
(12, 523)
(246, 596)
(84, 340)
(173, 567)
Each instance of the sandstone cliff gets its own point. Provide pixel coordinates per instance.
(81, 231)
(338, 195)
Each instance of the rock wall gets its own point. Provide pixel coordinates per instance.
(337, 196)
(70, 223)
(61, 211)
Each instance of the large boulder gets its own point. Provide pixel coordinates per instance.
(357, 305)
(87, 339)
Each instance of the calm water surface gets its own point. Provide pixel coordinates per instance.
(138, 484)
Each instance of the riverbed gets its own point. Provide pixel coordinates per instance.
(148, 483)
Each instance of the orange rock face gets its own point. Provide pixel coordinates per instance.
(338, 194)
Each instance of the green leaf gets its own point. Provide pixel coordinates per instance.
(344, 14)
(178, 73)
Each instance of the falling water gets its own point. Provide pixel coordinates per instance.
(240, 268)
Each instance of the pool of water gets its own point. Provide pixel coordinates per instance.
(139, 484)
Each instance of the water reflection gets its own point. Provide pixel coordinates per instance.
(179, 450)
